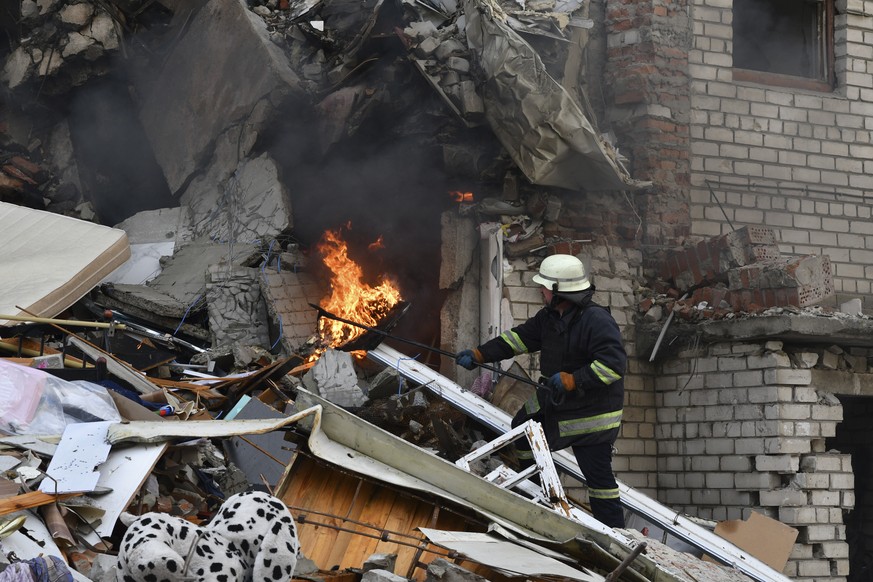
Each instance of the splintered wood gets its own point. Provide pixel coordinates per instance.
(343, 519)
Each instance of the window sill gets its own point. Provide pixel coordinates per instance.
(778, 80)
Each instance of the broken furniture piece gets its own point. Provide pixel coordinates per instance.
(550, 492)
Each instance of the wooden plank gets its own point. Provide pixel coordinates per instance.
(308, 484)
(31, 347)
(312, 486)
(377, 511)
(31, 500)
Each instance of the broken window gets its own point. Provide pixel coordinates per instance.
(784, 42)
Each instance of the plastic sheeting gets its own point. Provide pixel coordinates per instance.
(537, 121)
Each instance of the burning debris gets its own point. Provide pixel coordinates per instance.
(350, 297)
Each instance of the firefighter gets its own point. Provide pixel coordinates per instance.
(583, 361)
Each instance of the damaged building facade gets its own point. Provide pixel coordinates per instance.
(716, 182)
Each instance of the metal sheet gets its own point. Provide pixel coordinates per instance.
(506, 557)
(143, 431)
(666, 518)
(82, 450)
(352, 443)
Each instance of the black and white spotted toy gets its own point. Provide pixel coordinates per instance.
(252, 538)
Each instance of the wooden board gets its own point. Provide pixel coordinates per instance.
(369, 509)
(31, 500)
(31, 347)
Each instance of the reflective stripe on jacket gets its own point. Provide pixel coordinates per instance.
(585, 342)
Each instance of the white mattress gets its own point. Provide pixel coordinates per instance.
(49, 261)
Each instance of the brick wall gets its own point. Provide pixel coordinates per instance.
(647, 88)
(615, 272)
(743, 427)
(797, 160)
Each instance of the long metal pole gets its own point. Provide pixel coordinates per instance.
(329, 315)
(68, 322)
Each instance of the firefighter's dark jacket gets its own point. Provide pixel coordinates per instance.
(585, 341)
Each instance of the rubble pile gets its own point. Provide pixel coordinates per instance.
(740, 273)
(175, 430)
(66, 43)
(188, 480)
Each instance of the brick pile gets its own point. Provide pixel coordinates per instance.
(743, 427)
(744, 271)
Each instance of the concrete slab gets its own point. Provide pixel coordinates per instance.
(184, 275)
(218, 73)
(250, 206)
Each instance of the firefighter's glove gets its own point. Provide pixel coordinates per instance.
(560, 384)
(468, 358)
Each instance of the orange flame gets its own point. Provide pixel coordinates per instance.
(350, 298)
(377, 245)
(459, 196)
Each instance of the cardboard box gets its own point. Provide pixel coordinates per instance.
(764, 538)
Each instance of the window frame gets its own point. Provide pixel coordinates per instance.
(798, 82)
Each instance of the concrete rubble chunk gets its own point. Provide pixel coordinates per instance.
(18, 67)
(427, 47)
(250, 206)
(380, 562)
(46, 6)
(381, 576)
(190, 103)
(153, 234)
(386, 383)
(441, 570)
(103, 31)
(237, 312)
(76, 14)
(76, 43)
(448, 48)
(805, 360)
(183, 276)
(104, 567)
(333, 377)
(29, 9)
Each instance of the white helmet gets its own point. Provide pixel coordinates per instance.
(566, 271)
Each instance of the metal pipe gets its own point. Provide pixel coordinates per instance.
(329, 315)
(664, 331)
(616, 574)
(69, 322)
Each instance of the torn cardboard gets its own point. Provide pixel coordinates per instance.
(765, 538)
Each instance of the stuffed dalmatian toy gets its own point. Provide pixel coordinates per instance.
(252, 538)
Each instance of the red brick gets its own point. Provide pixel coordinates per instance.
(694, 268)
(682, 265)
